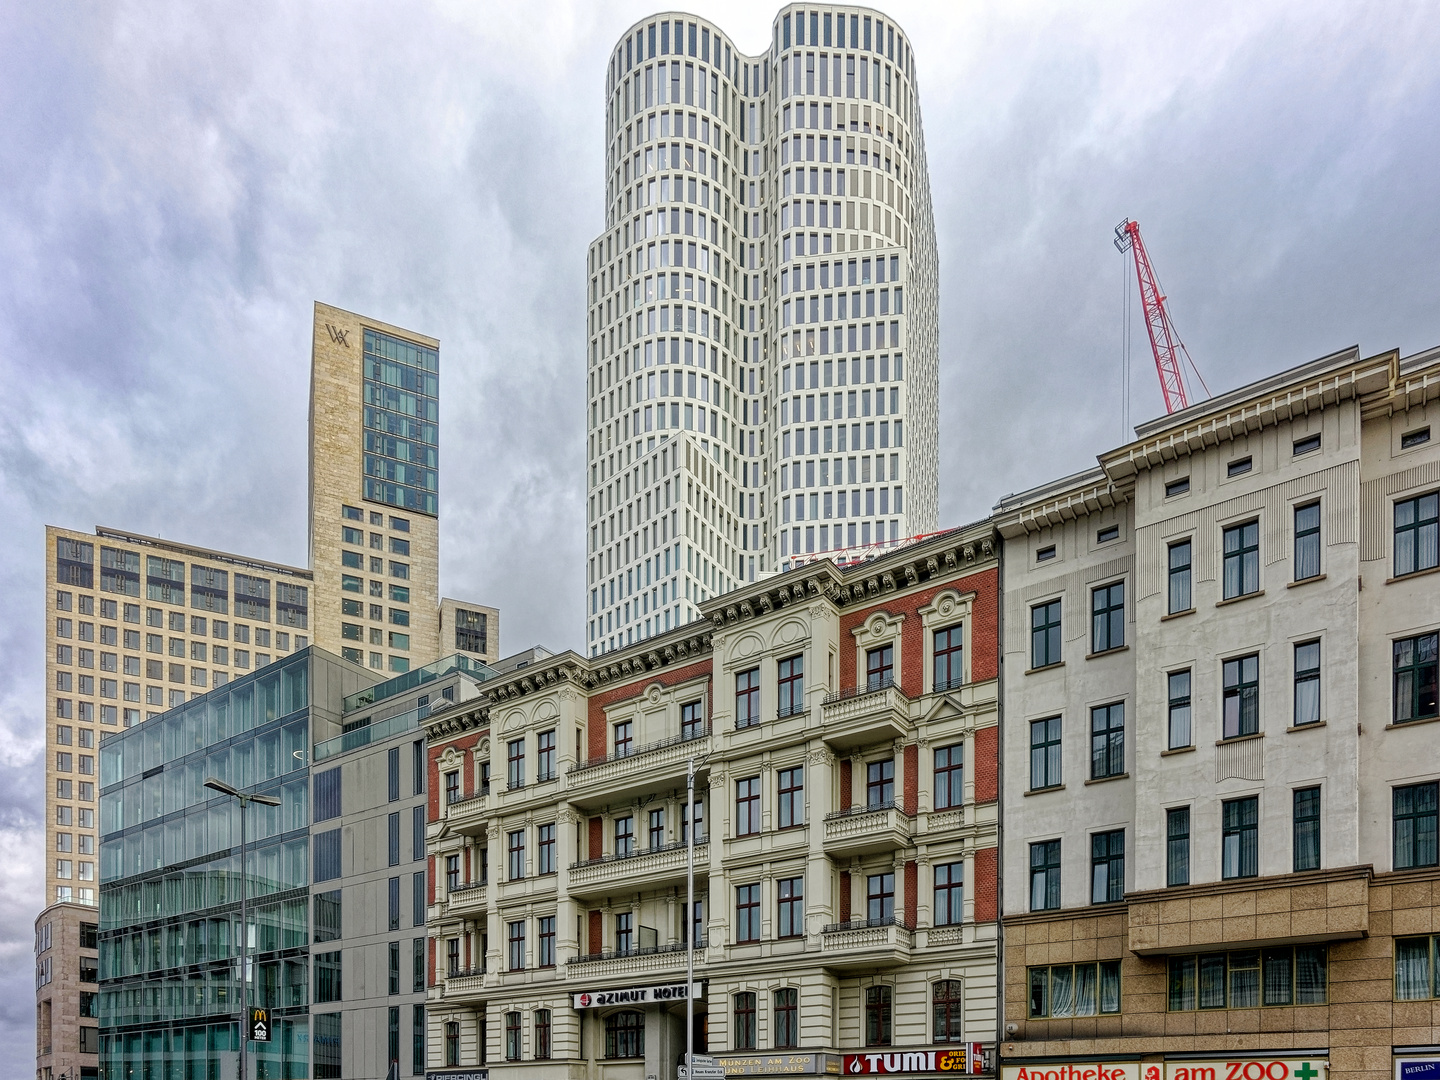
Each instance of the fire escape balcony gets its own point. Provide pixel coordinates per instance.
(867, 944)
(865, 715)
(864, 830)
(654, 867)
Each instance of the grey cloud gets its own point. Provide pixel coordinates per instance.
(177, 184)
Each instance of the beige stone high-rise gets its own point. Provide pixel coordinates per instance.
(136, 625)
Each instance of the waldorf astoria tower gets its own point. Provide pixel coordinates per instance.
(763, 353)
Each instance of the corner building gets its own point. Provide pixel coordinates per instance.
(763, 363)
(844, 727)
(1220, 750)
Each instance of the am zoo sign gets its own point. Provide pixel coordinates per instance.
(1241, 1069)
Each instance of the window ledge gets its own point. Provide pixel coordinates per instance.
(1044, 790)
(1177, 614)
(1107, 652)
(1412, 723)
(1307, 581)
(1239, 738)
(1106, 780)
(1413, 574)
(1305, 727)
(1178, 750)
(1047, 667)
(1242, 596)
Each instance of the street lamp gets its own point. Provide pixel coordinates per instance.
(245, 800)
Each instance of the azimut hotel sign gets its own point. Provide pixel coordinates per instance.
(658, 994)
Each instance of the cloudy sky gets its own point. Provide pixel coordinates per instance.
(179, 182)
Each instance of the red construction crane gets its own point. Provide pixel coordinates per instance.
(1164, 342)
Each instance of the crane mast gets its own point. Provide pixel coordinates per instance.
(1164, 342)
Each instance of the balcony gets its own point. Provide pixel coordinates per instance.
(866, 944)
(654, 866)
(1321, 905)
(467, 813)
(863, 830)
(464, 982)
(641, 768)
(861, 716)
(466, 901)
(666, 959)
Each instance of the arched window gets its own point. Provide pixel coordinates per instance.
(787, 1018)
(452, 1043)
(745, 1021)
(625, 1035)
(946, 997)
(877, 1016)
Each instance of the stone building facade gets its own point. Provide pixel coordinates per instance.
(1220, 754)
(843, 728)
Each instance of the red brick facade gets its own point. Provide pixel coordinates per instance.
(987, 885)
(987, 765)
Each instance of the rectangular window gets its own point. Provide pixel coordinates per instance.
(545, 756)
(1062, 990)
(878, 1007)
(546, 927)
(624, 739)
(417, 1040)
(747, 806)
(326, 855)
(1178, 687)
(1045, 753)
(880, 667)
(394, 967)
(393, 839)
(515, 855)
(542, 1037)
(1417, 973)
(1177, 487)
(1415, 825)
(452, 872)
(744, 1020)
(515, 945)
(880, 899)
(657, 829)
(790, 792)
(1179, 578)
(1242, 559)
(417, 898)
(790, 900)
(393, 894)
(1307, 541)
(949, 777)
(1417, 534)
(545, 844)
(327, 978)
(1306, 835)
(747, 913)
(1045, 875)
(791, 686)
(625, 933)
(1249, 978)
(625, 836)
(515, 764)
(1045, 634)
(512, 1034)
(692, 720)
(327, 795)
(392, 762)
(1417, 663)
(880, 784)
(949, 662)
(1177, 846)
(1107, 867)
(747, 698)
(787, 1018)
(1107, 617)
(1307, 683)
(1240, 838)
(949, 894)
(1242, 696)
(452, 787)
(1107, 741)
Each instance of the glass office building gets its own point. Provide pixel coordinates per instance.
(170, 874)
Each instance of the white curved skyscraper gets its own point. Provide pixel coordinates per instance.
(763, 355)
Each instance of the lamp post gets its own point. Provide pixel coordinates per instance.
(245, 800)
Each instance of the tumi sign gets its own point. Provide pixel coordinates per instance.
(967, 1058)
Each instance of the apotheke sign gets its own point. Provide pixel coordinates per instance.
(640, 995)
(1075, 1070)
